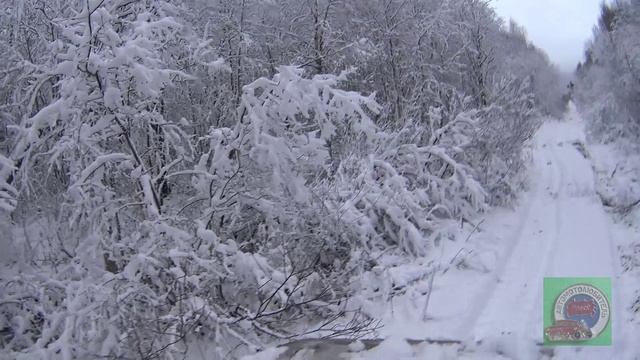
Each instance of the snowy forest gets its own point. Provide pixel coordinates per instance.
(239, 173)
(608, 80)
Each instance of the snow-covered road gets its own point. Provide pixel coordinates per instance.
(564, 232)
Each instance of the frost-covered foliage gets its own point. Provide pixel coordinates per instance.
(396, 195)
(608, 87)
(498, 153)
(8, 194)
(204, 177)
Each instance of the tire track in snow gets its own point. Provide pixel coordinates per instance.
(485, 296)
(596, 244)
(501, 326)
(534, 324)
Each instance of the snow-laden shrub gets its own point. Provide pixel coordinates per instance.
(247, 256)
(260, 246)
(504, 128)
(397, 195)
(8, 193)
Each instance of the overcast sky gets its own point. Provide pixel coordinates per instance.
(560, 27)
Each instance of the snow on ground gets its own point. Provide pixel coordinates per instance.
(488, 290)
(618, 182)
(566, 233)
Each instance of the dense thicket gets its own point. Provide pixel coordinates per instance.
(194, 170)
(608, 85)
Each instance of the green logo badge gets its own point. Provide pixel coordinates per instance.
(577, 311)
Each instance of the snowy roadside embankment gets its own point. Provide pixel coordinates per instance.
(618, 181)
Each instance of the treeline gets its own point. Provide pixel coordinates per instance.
(608, 85)
(219, 171)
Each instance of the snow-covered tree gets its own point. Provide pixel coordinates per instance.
(609, 84)
(217, 172)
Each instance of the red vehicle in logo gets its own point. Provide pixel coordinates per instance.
(568, 330)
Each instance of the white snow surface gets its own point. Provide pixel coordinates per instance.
(490, 297)
(564, 231)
